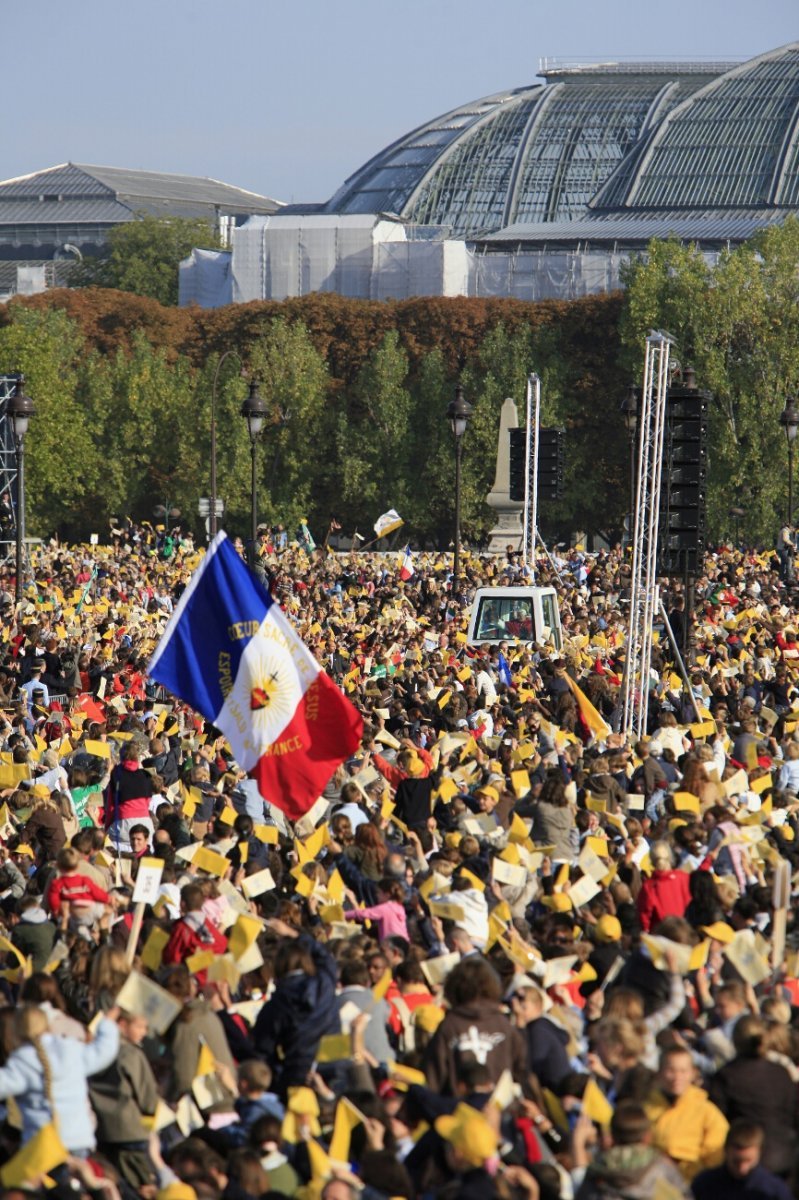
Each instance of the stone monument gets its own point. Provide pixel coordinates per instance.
(508, 529)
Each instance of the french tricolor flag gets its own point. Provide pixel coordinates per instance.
(406, 567)
(230, 653)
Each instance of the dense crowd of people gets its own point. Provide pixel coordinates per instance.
(510, 952)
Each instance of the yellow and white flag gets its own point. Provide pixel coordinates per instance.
(388, 523)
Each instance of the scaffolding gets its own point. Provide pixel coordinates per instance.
(8, 474)
(644, 599)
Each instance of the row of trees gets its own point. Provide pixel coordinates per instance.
(357, 396)
(358, 393)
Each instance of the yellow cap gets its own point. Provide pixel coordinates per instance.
(469, 1133)
(720, 931)
(489, 791)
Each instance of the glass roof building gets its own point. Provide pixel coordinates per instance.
(547, 190)
(536, 154)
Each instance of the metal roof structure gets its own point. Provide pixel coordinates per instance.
(631, 230)
(734, 144)
(715, 169)
(535, 154)
(73, 193)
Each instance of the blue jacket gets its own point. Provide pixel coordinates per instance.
(71, 1062)
(759, 1184)
(301, 1011)
(250, 1109)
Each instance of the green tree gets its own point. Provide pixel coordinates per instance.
(374, 426)
(143, 255)
(737, 323)
(145, 430)
(430, 508)
(60, 452)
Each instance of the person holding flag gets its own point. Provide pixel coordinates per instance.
(230, 653)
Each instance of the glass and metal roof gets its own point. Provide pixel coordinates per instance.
(537, 154)
(734, 144)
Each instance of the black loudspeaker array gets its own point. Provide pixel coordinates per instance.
(683, 500)
(551, 463)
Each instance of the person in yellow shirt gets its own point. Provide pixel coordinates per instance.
(686, 1125)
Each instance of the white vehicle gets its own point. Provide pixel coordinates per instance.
(515, 614)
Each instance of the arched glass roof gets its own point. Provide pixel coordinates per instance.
(537, 154)
(733, 144)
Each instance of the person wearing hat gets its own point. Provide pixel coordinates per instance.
(35, 690)
(607, 945)
(547, 1056)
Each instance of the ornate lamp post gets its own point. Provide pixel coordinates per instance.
(254, 412)
(458, 412)
(20, 410)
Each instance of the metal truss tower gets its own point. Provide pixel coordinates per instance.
(644, 599)
(8, 474)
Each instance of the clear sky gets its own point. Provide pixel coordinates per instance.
(288, 97)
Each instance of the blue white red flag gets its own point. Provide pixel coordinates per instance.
(230, 653)
(406, 567)
(503, 670)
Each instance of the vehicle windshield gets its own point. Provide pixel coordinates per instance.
(505, 617)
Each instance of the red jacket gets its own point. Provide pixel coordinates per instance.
(73, 889)
(184, 941)
(664, 894)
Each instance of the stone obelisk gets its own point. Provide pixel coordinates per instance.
(508, 528)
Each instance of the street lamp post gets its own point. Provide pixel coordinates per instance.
(212, 527)
(737, 515)
(254, 412)
(20, 410)
(458, 413)
(789, 419)
(629, 411)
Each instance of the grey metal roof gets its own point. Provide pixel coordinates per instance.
(66, 212)
(130, 190)
(636, 229)
(162, 186)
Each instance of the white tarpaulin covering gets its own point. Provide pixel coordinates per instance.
(206, 278)
(278, 257)
(371, 257)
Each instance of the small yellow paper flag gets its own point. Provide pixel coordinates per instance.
(347, 1117)
(209, 861)
(379, 991)
(521, 782)
(200, 961)
(319, 1160)
(333, 1047)
(518, 829)
(446, 789)
(243, 935)
(596, 1106)
(154, 947)
(335, 887)
(98, 749)
(686, 802)
(266, 833)
(43, 1153)
(206, 1063)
